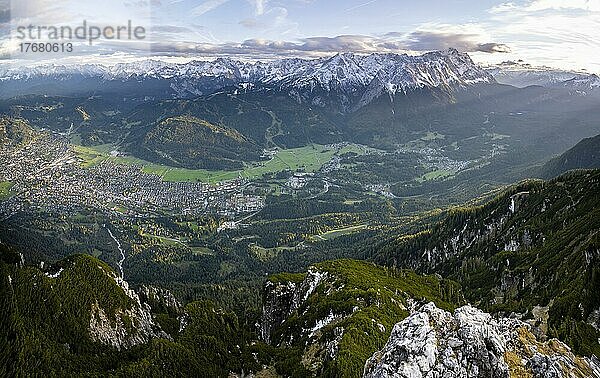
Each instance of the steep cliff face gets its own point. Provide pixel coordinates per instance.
(129, 326)
(283, 297)
(470, 343)
(494, 227)
(160, 299)
(278, 302)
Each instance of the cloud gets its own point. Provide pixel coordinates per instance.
(325, 46)
(560, 33)
(503, 7)
(417, 42)
(586, 5)
(207, 6)
(353, 43)
(273, 21)
(171, 29)
(142, 3)
(252, 23)
(263, 48)
(259, 6)
(493, 48)
(432, 40)
(360, 6)
(548, 5)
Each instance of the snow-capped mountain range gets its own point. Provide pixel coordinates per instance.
(353, 79)
(345, 81)
(340, 71)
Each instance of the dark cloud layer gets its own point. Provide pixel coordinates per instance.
(392, 42)
(159, 36)
(425, 41)
(493, 48)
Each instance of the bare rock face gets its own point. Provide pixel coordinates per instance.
(160, 299)
(277, 306)
(434, 343)
(128, 326)
(283, 298)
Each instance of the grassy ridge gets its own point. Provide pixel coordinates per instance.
(362, 301)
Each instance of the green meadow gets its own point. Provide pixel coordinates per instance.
(309, 159)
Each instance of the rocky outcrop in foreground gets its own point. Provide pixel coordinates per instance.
(470, 343)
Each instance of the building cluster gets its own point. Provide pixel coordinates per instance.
(47, 174)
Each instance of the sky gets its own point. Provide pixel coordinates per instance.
(555, 33)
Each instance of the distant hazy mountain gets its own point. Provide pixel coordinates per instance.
(522, 75)
(586, 85)
(348, 80)
(584, 155)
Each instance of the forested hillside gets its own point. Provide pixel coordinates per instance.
(584, 155)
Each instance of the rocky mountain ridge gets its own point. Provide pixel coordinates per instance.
(470, 343)
(308, 315)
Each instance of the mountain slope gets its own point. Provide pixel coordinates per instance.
(584, 155)
(67, 311)
(78, 318)
(268, 119)
(335, 320)
(534, 249)
(14, 131)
